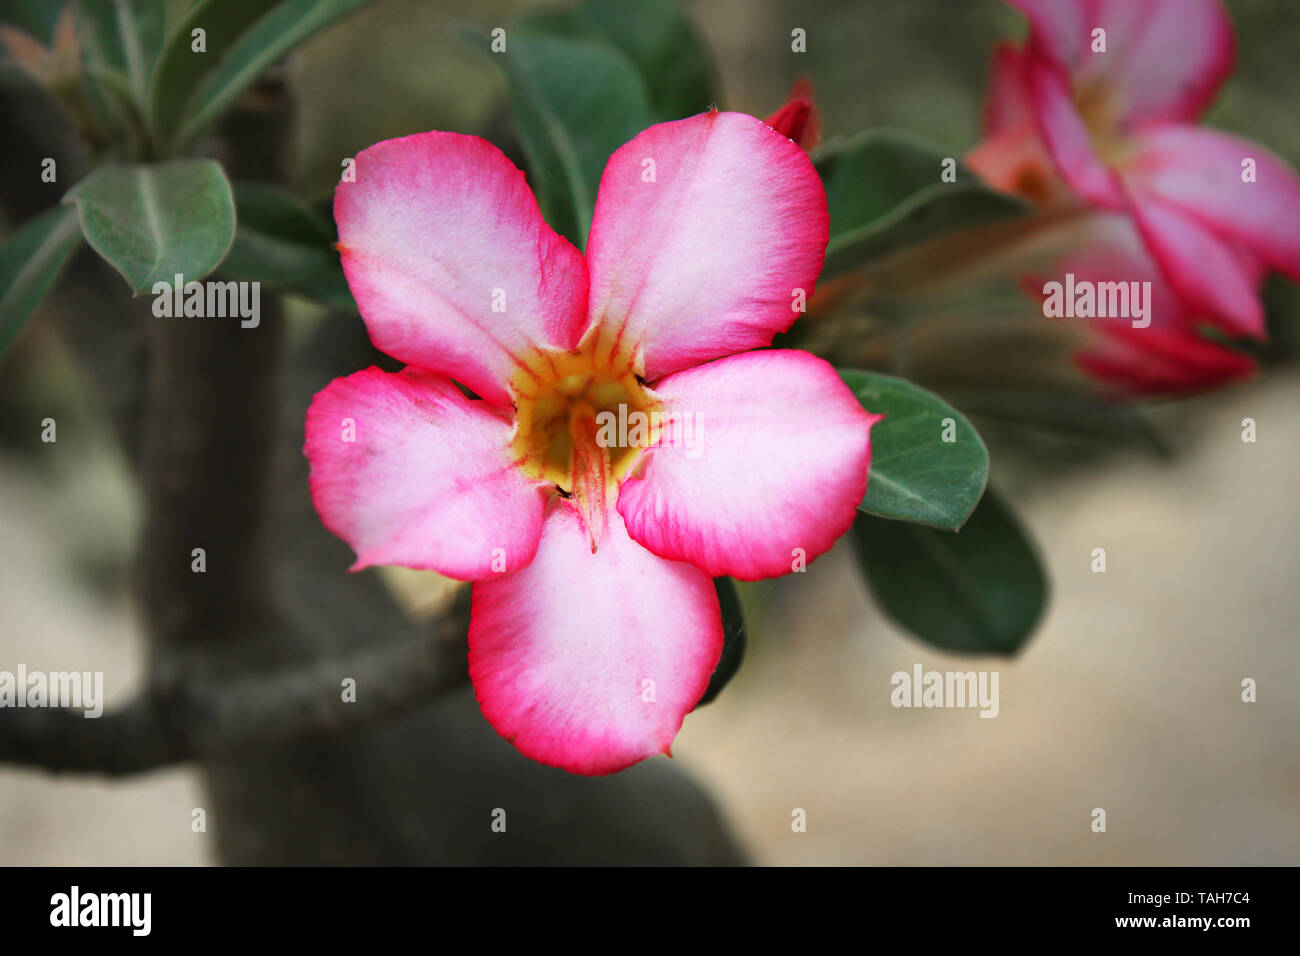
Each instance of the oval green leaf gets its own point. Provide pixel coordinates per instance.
(979, 591)
(152, 223)
(928, 463)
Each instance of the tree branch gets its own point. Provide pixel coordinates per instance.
(179, 719)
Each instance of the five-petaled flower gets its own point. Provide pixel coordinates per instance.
(595, 625)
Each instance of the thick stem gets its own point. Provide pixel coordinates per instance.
(209, 446)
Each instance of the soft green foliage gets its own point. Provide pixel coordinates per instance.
(885, 191)
(928, 464)
(35, 17)
(120, 40)
(279, 241)
(30, 261)
(655, 35)
(575, 101)
(979, 591)
(242, 38)
(584, 80)
(153, 222)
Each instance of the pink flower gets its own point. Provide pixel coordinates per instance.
(1166, 356)
(1115, 126)
(595, 626)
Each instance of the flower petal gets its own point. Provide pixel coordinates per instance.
(1108, 247)
(426, 480)
(562, 652)
(703, 231)
(1165, 59)
(1159, 362)
(1215, 279)
(1067, 136)
(1006, 102)
(450, 262)
(1200, 171)
(772, 456)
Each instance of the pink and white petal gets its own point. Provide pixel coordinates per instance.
(450, 262)
(771, 457)
(1200, 170)
(1067, 137)
(409, 471)
(704, 230)
(1165, 59)
(1215, 279)
(590, 662)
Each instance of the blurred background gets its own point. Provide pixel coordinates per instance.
(1128, 698)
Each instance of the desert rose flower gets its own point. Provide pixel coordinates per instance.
(595, 626)
(1101, 105)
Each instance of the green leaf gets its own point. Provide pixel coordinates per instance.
(30, 260)
(915, 474)
(1062, 413)
(242, 38)
(37, 18)
(575, 101)
(152, 223)
(884, 191)
(279, 241)
(273, 36)
(330, 288)
(664, 46)
(120, 40)
(180, 69)
(733, 634)
(979, 591)
(658, 39)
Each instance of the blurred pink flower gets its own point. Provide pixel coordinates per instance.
(1168, 356)
(1100, 105)
(595, 626)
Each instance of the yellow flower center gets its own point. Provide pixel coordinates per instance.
(565, 403)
